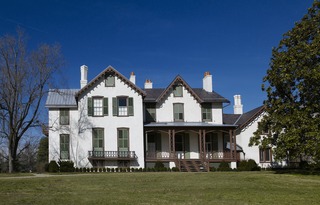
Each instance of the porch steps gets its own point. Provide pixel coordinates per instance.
(191, 166)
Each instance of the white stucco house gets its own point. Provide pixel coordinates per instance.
(111, 122)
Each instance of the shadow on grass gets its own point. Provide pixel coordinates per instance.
(296, 171)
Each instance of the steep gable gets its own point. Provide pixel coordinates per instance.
(112, 71)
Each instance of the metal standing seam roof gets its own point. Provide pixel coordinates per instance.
(154, 93)
(61, 98)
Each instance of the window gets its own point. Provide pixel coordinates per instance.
(211, 142)
(98, 139)
(265, 155)
(151, 113)
(122, 106)
(64, 116)
(123, 142)
(97, 106)
(206, 111)
(109, 81)
(178, 112)
(64, 146)
(177, 92)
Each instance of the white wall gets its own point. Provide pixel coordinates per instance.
(192, 109)
(81, 142)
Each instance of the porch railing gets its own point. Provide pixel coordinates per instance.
(116, 155)
(225, 155)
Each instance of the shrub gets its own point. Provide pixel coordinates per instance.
(112, 169)
(53, 166)
(132, 169)
(158, 166)
(224, 166)
(175, 169)
(66, 166)
(128, 169)
(248, 165)
(104, 169)
(212, 169)
(108, 169)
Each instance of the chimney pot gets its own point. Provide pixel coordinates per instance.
(148, 84)
(132, 77)
(207, 82)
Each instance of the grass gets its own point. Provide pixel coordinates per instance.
(163, 188)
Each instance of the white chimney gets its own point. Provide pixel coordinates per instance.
(84, 75)
(207, 82)
(237, 108)
(132, 78)
(148, 84)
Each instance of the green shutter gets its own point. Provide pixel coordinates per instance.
(114, 106)
(130, 106)
(105, 106)
(90, 107)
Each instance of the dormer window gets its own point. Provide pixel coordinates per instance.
(110, 81)
(206, 110)
(177, 92)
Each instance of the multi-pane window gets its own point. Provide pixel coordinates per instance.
(109, 81)
(178, 113)
(211, 142)
(122, 106)
(64, 146)
(206, 111)
(265, 155)
(177, 92)
(98, 139)
(97, 106)
(151, 113)
(64, 116)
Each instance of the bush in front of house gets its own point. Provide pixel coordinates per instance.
(53, 166)
(248, 165)
(66, 166)
(224, 166)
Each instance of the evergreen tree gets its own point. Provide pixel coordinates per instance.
(292, 84)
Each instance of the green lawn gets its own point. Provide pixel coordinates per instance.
(163, 188)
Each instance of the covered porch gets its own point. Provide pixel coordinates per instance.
(177, 142)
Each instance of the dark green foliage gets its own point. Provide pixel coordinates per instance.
(43, 151)
(224, 166)
(292, 85)
(66, 166)
(108, 169)
(53, 166)
(112, 169)
(132, 169)
(104, 169)
(248, 165)
(213, 169)
(158, 166)
(175, 169)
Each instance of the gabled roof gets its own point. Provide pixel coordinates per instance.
(244, 119)
(61, 98)
(111, 70)
(157, 94)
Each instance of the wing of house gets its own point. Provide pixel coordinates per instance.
(111, 122)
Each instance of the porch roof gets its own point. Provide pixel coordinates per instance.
(189, 124)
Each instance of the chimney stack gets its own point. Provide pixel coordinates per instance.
(133, 78)
(84, 75)
(238, 107)
(148, 84)
(207, 82)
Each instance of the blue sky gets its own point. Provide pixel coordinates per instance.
(161, 39)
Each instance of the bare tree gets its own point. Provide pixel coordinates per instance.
(24, 79)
